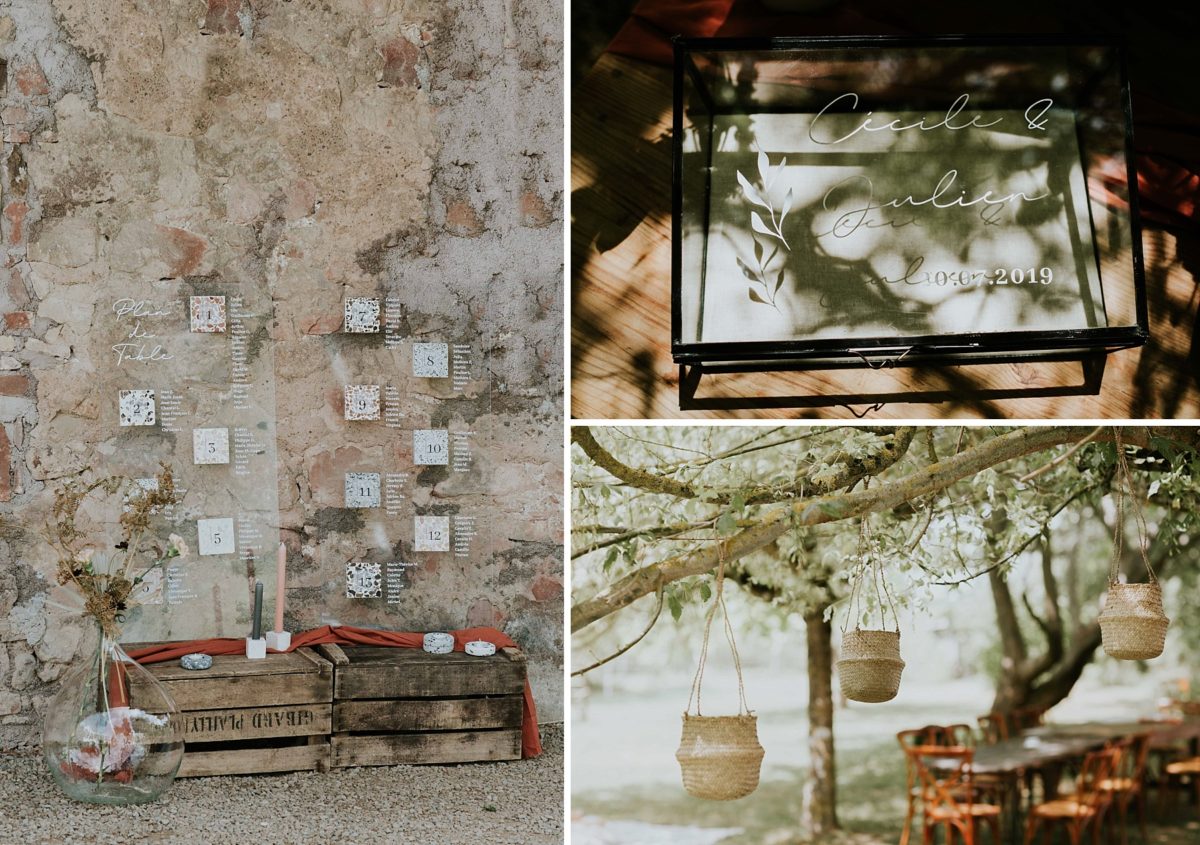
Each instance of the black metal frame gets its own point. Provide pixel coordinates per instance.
(958, 348)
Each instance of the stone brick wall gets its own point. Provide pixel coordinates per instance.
(322, 150)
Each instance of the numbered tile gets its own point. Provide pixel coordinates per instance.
(150, 590)
(362, 315)
(208, 314)
(363, 580)
(431, 534)
(137, 407)
(216, 536)
(431, 446)
(362, 489)
(431, 360)
(210, 445)
(362, 402)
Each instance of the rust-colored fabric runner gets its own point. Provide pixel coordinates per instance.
(531, 741)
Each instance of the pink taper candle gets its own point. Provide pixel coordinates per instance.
(280, 578)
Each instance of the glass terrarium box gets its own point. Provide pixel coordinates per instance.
(890, 200)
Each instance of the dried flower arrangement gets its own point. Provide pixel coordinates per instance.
(106, 586)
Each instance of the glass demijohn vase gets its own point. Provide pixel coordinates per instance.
(112, 734)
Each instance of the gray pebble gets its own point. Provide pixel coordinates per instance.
(373, 804)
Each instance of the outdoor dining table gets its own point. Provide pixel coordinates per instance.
(1048, 748)
(1161, 732)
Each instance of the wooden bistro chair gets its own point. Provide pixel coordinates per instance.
(915, 738)
(990, 787)
(960, 735)
(1127, 784)
(994, 727)
(1178, 772)
(1023, 720)
(1082, 811)
(948, 793)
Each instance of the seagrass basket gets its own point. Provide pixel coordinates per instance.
(720, 756)
(870, 667)
(1133, 625)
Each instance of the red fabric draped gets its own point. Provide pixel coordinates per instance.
(531, 741)
(1165, 139)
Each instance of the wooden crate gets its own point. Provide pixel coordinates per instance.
(401, 705)
(249, 716)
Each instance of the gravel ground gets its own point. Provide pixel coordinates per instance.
(517, 803)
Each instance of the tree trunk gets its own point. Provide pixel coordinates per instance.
(1040, 681)
(820, 789)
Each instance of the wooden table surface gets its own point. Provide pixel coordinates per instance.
(1013, 755)
(1039, 747)
(621, 364)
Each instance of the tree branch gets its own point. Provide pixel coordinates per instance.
(851, 471)
(640, 478)
(649, 626)
(817, 510)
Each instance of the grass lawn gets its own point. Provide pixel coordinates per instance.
(870, 809)
(626, 788)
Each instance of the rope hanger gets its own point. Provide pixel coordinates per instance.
(1124, 489)
(870, 564)
(719, 601)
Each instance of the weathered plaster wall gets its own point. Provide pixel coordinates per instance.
(322, 150)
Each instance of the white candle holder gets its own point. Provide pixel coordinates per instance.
(256, 649)
(279, 640)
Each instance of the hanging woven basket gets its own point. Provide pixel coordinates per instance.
(720, 756)
(1133, 625)
(870, 667)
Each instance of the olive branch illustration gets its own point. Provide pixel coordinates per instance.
(762, 273)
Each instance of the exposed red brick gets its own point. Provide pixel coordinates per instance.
(320, 323)
(300, 198)
(327, 471)
(222, 17)
(30, 80)
(16, 320)
(17, 293)
(14, 115)
(188, 250)
(484, 613)
(14, 385)
(534, 212)
(546, 587)
(462, 220)
(400, 57)
(15, 211)
(5, 466)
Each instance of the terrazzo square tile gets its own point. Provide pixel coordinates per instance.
(362, 489)
(431, 446)
(431, 534)
(208, 314)
(362, 315)
(137, 407)
(362, 402)
(364, 580)
(210, 445)
(216, 536)
(150, 590)
(431, 360)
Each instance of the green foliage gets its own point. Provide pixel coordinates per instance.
(993, 519)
